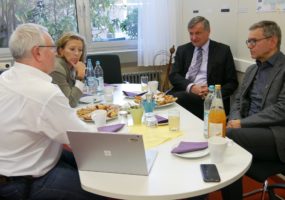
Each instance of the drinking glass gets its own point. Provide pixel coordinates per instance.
(153, 86)
(144, 81)
(174, 120)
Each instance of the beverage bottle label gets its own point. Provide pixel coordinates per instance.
(215, 129)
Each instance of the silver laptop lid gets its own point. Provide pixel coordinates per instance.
(111, 152)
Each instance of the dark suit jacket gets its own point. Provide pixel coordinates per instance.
(272, 112)
(220, 69)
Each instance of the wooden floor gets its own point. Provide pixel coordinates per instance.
(250, 185)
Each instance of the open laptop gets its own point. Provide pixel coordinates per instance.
(111, 152)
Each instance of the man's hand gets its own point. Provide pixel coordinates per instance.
(80, 70)
(234, 124)
(200, 90)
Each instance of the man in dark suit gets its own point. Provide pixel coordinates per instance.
(257, 117)
(216, 67)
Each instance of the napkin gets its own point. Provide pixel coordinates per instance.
(161, 120)
(133, 94)
(111, 128)
(185, 147)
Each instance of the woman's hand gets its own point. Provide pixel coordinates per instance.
(80, 70)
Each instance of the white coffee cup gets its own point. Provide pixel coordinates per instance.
(153, 86)
(217, 146)
(99, 117)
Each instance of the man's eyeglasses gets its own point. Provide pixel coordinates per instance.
(50, 46)
(253, 42)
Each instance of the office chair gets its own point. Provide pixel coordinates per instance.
(271, 193)
(260, 171)
(111, 66)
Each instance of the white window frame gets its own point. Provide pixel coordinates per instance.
(99, 47)
(84, 28)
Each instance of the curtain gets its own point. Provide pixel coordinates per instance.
(156, 30)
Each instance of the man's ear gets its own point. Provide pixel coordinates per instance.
(36, 53)
(274, 41)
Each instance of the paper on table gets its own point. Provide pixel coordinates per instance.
(111, 128)
(185, 147)
(153, 137)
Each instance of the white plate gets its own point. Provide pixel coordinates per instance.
(108, 119)
(89, 99)
(88, 109)
(193, 154)
(164, 105)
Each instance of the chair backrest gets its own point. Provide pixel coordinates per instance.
(111, 66)
(166, 84)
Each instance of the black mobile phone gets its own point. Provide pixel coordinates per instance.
(210, 173)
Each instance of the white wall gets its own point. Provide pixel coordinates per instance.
(229, 27)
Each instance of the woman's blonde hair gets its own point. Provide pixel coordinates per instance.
(66, 37)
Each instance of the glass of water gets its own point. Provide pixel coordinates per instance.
(174, 120)
(144, 81)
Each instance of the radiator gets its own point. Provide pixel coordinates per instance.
(135, 77)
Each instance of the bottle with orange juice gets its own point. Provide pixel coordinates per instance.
(217, 115)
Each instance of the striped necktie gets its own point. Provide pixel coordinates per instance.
(193, 71)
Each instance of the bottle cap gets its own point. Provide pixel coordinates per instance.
(211, 87)
(218, 86)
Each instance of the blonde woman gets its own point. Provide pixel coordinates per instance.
(69, 69)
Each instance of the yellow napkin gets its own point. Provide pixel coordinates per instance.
(153, 137)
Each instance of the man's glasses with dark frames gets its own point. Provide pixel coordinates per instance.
(253, 42)
(49, 46)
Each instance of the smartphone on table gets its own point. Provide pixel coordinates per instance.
(210, 173)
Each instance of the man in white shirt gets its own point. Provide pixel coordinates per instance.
(34, 117)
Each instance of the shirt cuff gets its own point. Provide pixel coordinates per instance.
(188, 89)
(79, 85)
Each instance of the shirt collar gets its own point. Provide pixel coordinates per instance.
(33, 71)
(271, 61)
(205, 47)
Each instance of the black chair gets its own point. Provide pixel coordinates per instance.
(260, 171)
(271, 191)
(111, 66)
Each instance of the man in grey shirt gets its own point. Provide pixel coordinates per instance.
(257, 117)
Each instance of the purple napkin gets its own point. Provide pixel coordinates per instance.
(111, 128)
(185, 147)
(161, 120)
(133, 94)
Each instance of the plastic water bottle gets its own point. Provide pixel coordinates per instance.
(207, 106)
(90, 78)
(99, 74)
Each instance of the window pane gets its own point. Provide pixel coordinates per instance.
(57, 15)
(113, 20)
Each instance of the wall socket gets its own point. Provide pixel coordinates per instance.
(5, 65)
